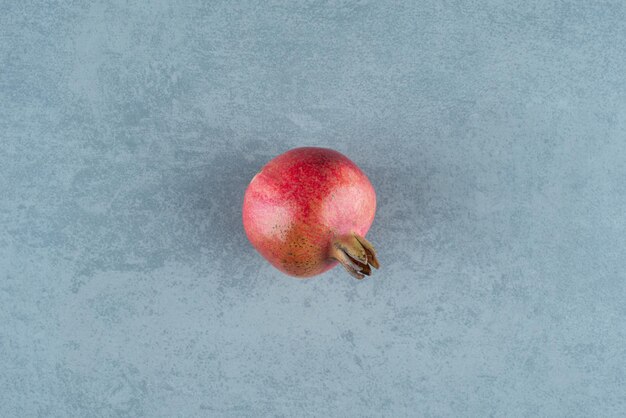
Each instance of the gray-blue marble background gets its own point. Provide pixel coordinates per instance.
(493, 131)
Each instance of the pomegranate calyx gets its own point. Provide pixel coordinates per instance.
(356, 255)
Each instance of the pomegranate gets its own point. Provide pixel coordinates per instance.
(309, 209)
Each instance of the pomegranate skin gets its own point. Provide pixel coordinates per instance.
(301, 203)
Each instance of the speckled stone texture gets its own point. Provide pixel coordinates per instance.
(493, 131)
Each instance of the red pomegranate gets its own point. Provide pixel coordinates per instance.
(308, 209)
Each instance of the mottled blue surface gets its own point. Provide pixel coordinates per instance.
(494, 133)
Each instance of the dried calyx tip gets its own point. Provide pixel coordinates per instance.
(356, 255)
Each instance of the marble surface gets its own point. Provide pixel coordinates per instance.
(494, 133)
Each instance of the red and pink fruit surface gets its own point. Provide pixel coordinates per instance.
(309, 209)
